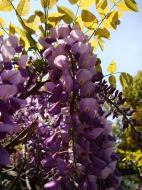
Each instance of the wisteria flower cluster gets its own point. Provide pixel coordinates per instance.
(73, 142)
(12, 78)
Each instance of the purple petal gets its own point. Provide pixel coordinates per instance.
(12, 76)
(4, 157)
(22, 61)
(7, 91)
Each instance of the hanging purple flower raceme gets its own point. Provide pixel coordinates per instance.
(11, 79)
(79, 146)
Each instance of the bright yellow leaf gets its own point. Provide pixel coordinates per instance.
(23, 7)
(54, 17)
(131, 4)
(89, 19)
(122, 7)
(112, 67)
(73, 1)
(2, 22)
(101, 43)
(5, 5)
(94, 44)
(48, 3)
(85, 4)
(11, 30)
(1, 32)
(112, 20)
(79, 22)
(68, 14)
(33, 22)
(103, 33)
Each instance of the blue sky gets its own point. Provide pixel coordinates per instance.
(125, 44)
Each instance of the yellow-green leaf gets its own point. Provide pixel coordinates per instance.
(112, 67)
(48, 3)
(11, 30)
(122, 6)
(112, 20)
(102, 4)
(131, 4)
(126, 79)
(85, 4)
(68, 14)
(1, 32)
(5, 5)
(101, 43)
(89, 19)
(73, 1)
(23, 7)
(2, 22)
(94, 44)
(33, 22)
(112, 80)
(103, 32)
(54, 17)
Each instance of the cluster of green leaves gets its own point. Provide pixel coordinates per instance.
(130, 141)
(98, 26)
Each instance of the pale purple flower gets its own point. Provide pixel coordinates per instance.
(7, 52)
(109, 169)
(67, 82)
(47, 53)
(86, 61)
(8, 127)
(87, 89)
(4, 157)
(61, 62)
(12, 76)
(22, 61)
(44, 44)
(89, 105)
(78, 35)
(13, 41)
(49, 86)
(7, 91)
(83, 75)
(81, 48)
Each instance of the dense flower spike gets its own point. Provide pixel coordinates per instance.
(72, 145)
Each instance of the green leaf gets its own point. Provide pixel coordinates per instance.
(5, 5)
(23, 7)
(112, 67)
(131, 4)
(68, 14)
(126, 79)
(89, 19)
(112, 80)
(73, 1)
(103, 32)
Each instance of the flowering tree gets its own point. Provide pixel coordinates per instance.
(54, 128)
